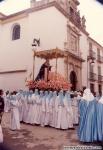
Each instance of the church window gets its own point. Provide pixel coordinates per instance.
(16, 32)
(74, 43)
(90, 46)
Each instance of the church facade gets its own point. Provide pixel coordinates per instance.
(51, 24)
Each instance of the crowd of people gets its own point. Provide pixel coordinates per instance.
(60, 110)
(45, 108)
(91, 118)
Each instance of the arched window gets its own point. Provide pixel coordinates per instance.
(16, 32)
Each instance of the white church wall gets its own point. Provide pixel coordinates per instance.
(49, 25)
(14, 81)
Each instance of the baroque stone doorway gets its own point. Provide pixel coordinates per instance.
(73, 80)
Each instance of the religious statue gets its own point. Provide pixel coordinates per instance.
(78, 17)
(44, 71)
(83, 22)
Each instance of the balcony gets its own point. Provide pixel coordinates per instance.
(92, 76)
(100, 78)
(92, 55)
(75, 54)
(99, 58)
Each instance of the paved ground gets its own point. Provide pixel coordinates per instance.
(36, 137)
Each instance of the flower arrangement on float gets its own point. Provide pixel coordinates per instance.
(55, 82)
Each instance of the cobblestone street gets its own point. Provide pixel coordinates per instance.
(36, 137)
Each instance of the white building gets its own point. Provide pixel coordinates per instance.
(95, 66)
(56, 23)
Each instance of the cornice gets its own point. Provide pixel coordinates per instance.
(91, 39)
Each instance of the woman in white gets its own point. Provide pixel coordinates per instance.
(15, 121)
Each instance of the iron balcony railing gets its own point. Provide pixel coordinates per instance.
(100, 78)
(92, 55)
(76, 53)
(99, 58)
(92, 76)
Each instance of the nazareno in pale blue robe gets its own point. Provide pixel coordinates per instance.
(43, 109)
(88, 121)
(100, 119)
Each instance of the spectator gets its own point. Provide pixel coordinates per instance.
(1, 105)
(1, 113)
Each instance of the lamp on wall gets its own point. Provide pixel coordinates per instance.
(90, 60)
(35, 44)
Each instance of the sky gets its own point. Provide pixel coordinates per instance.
(91, 9)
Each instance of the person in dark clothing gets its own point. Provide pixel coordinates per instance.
(1, 105)
(100, 1)
(41, 74)
(3, 146)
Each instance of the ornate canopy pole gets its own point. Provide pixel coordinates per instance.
(56, 60)
(56, 64)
